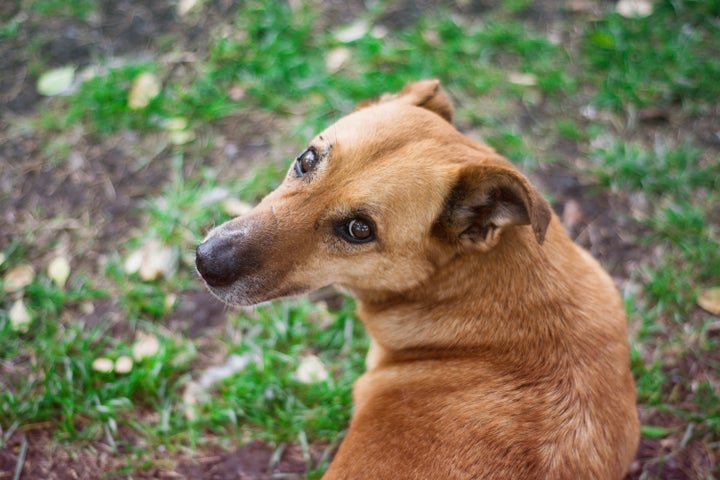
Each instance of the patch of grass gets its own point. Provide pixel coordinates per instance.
(662, 170)
(268, 397)
(71, 8)
(644, 61)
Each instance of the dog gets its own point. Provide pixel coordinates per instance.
(498, 347)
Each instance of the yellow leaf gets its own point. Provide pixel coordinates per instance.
(103, 365)
(145, 87)
(18, 278)
(311, 370)
(146, 345)
(710, 300)
(56, 82)
(634, 8)
(123, 364)
(19, 317)
(59, 270)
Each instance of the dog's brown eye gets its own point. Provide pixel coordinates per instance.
(305, 162)
(359, 230)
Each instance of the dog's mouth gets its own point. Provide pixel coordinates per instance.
(253, 290)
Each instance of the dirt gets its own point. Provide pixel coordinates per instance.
(94, 197)
(45, 459)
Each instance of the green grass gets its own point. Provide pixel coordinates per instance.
(272, 57)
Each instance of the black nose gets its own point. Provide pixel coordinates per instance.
(218, 260)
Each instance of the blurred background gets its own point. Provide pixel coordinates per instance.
(128, 129)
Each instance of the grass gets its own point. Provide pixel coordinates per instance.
(273, 57)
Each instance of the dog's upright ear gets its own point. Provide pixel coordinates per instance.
(485, 201)
(424, 93)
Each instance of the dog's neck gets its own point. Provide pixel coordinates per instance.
(516, 294)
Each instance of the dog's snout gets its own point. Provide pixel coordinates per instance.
(218, 260)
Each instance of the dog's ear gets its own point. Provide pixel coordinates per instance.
(423, 93)
(485, 201)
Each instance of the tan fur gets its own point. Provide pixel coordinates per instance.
(499, 348)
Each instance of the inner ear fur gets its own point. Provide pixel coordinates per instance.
(424, 93)
(488, 199)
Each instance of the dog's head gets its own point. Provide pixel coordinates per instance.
(376, 203)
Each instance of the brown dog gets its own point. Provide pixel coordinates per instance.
(499, 348)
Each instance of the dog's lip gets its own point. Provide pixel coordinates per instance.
(242, 293)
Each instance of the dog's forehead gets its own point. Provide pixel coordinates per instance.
(375, 132)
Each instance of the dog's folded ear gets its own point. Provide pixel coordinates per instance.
(488, 199)
(423, 93)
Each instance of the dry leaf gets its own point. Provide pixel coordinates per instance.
(184, 6)
(133, 262)
(170, 300)
(123, 364)
(634, 8)
(20, 317)
(311, 370)
(18, 278)
(178, 132)
(153, 260)
(146, 345)
(352, 32)
(160, 261)
(59, 270)
(103, 365)
(145, 87)
(523, 79)
(709, 300)
(56, 82)
(336, 59)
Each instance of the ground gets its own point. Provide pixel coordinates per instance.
(627, 156)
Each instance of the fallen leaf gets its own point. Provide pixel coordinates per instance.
(184, 6)
(20, 317)
(181, 137)
(159, 261)
(522, 79)
(336, 59)
(311, 370)
(59, 270)
(170, 300)
(146, 345)
(634, 8)
(123, 364)
(709, 300)
(18, 278)
(133, 262)
(103, 365)
(145, 87)
(178, 131)
(153, 260)
(352, 32)
(56, 82)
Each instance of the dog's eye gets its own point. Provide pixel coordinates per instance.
(306, 161)
(358, 230)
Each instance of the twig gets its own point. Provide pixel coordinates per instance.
(21, 458)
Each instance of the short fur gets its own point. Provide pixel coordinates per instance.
(498, 347)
